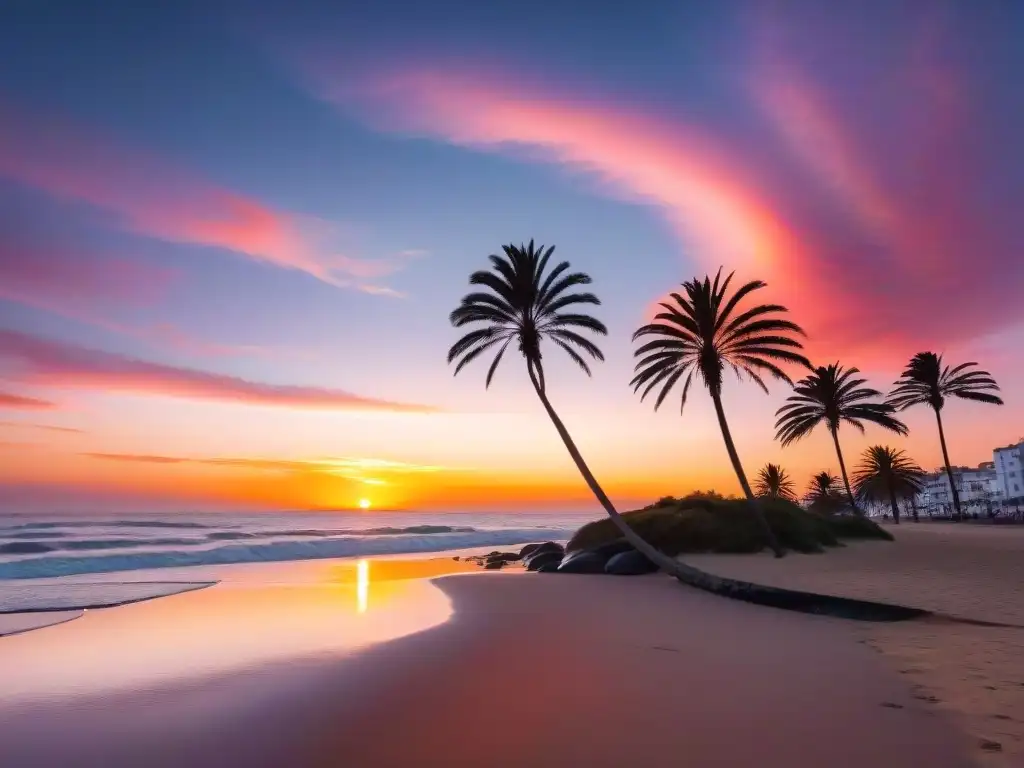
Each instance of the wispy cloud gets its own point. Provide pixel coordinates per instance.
(23, 403)
(47, 362)
(42, 427)
(887, 200)
(157, 198)
(364, 470)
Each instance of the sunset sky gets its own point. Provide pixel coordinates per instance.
(231, 234)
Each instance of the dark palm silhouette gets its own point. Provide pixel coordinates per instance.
(522, 302)
(833, 395)
(773, 483)
(823, 493)
(887, 475)
(701, 332)
(927, 382)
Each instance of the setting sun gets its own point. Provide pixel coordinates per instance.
(364, 503)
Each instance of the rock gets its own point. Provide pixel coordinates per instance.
(528, 550)
(630, 563)
(586, 561)
(456, 557)
(612, 548)
(550, 566)
(494, 565)
(541, 559)
(545, 548)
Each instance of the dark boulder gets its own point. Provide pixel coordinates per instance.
(540, 559)
(549, 566)
(583, 562)
(528, 550)
(630, 563)
(547, 547)
(612, 548)
(494, 564)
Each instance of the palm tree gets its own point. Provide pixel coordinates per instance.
(832, 394)
(701, 333)
(927, 382)
(773, 483)
(886, 474)
(523, 302)
(823, 493)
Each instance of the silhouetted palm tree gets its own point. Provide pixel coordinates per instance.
(701, 333)
(832, 394)
(823, 493)
(774, 483)
(886, 474)
(524, 303)
(927, 382)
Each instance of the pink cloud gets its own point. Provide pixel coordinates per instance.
(159, 199)
(42, 427)
(46, 362)
(858, 237)
(20, 402)
(59, 279)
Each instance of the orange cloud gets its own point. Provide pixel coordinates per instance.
(20, 402)
(52, 363)
(159, 199)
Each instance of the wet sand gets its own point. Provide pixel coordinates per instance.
(973, 674)
(495, 669)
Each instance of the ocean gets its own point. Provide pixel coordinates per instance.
(51, 563)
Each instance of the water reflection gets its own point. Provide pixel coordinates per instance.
(362, 585)
(257, 615)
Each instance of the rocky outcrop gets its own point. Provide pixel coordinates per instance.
(587, 561)
(629, 563)
(540, 560)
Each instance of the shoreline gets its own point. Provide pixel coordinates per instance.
(503, 669)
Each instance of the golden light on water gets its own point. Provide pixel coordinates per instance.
(362, 585)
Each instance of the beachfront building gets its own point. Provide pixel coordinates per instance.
(1009, 463)
(976, 486)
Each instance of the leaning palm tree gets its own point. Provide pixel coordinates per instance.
(701, 332)
(833, 395)
(773, 483)
(886, 475)
(823, 494)
(927, 382)
(521, 302)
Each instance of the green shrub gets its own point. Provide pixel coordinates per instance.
(857, 527)
(707, 523)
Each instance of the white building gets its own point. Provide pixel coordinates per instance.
(976, 487)
(1009, 461)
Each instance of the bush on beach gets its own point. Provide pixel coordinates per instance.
(712, 524)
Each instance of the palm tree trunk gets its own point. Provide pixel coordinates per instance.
(895, 506)
(842, 470)
(949, 469)
(663, 561)
(734, 457)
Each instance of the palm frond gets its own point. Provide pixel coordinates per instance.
(702, 330)
(522, 300)
(926, 381)
(774, 483)
(885, 472)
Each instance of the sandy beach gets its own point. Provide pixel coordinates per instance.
(309, 664)
(973, 674)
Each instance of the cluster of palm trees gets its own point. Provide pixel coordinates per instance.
(699, 332)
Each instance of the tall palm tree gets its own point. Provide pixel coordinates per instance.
(773, 483)
(927, 382)
(833, 394)
(823, 493)
(521, 301)
(886, 474)
(701, 332)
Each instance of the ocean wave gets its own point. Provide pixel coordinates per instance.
(38, 598)
(51, 524)
(415, 539)
(25, 548)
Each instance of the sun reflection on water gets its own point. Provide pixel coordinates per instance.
(362, 585)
